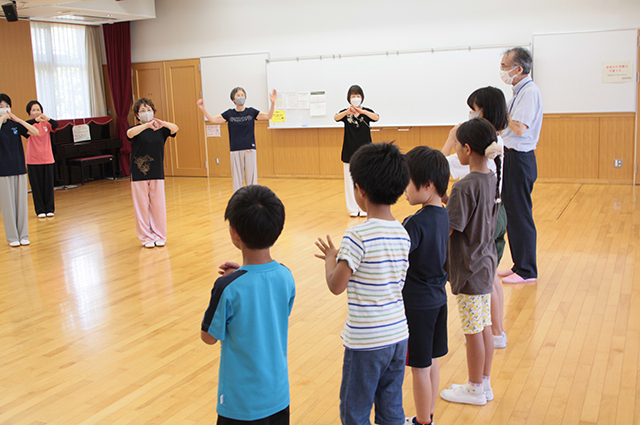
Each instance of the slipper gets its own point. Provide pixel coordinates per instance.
(515, 278)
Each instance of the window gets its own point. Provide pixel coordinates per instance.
(62, 70)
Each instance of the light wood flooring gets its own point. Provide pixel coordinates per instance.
(95, 329)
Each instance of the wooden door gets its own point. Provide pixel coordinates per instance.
(183, 88)
(149, 82)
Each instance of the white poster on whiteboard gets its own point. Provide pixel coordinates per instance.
(617, 72)
(291, 100)
(318, 110)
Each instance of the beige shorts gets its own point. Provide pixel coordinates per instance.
(475, 312)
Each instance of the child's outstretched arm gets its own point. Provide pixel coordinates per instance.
(337, 274)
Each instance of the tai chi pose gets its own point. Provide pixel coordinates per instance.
(147, 173)
(357, 132)
(13, 174)
(242, 137)
(40, 162)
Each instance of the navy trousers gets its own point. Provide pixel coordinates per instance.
(520, 173)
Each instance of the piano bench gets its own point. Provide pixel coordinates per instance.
(93, 160)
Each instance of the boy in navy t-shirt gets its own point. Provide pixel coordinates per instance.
(424, 294)
(249, 314)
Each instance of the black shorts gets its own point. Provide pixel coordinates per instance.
(427, 336)
(280, 418)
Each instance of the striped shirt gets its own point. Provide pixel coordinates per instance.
(377, 252)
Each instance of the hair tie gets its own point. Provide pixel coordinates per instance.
(493, 151)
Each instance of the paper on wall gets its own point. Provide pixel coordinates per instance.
(318, 109)
(303, 99)
(213, 131)
(617, 72)
(291, 100)
(279, 116)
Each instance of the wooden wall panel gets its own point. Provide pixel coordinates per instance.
(434, 137)
(183, 87)
(264, 146)
(617, 142)
(295, 152)
(218, 153)
(16, 62)
(330, 151)
(568, 147)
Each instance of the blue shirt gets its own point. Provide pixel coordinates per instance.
(242, 134)
(249, 315)
(524, 107)
(12, 162)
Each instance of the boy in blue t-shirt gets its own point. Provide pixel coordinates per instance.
(371, 266)
(249, 315)
(424, 293)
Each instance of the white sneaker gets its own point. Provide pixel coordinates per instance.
(362, 214)
(42, 215)
(150, 245)
(25, 242)
(500, 341)
(50, 214)
(488, 391)
(14, 244)
(353, 214)
(463, 394)
(160, 243)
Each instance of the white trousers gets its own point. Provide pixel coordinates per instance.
(13, 207)
(244, 168)
(352, 205)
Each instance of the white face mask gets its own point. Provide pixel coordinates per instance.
(473, 115)
(240, 100)
(146, 116)
(356, 101)
(3, 111)
(506, 78)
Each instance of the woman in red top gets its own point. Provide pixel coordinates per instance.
(40, 162)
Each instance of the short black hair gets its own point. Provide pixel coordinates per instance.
(493, 104)
(236, 90)
(381, 170)
(257, 215)
(521, 57)
(143, 101)
(30, 105)
(355, 89)
(478, 133)
(428, 165)
(5, 98)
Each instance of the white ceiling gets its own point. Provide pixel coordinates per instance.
(92, 12)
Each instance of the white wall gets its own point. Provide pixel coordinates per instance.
(195, 28)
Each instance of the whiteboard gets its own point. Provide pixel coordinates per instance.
(568, 70)
(405, 89)
(221, 74)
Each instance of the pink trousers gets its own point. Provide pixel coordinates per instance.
(150, 210)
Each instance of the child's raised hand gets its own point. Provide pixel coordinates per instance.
(228, 267)
(454, 130)
(200, 103)
(327, 248)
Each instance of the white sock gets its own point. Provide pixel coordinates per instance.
(486, 382)
(476, 389)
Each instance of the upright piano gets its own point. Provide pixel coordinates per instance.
(65, 149)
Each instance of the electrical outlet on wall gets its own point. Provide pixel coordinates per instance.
(218, 161)
(617, 163)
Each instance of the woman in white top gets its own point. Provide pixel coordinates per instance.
(490, 104)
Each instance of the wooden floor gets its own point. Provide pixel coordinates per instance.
(95, 329)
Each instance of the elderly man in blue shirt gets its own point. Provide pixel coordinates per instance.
(520, 169)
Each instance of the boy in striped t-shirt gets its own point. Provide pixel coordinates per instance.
(371, 265)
